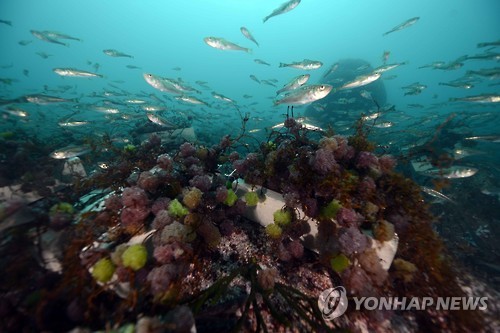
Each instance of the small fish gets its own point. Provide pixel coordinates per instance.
(268, 82)
(365, 94)
(484, 98)
(9, 23)
(305, 64)
(331, 70)
(253, 77)
(385, 124)
(222, 44)
(42, 36)
(385, 56)
(44, 55)
(294, 83)
(115, 53)
(69, 152)
(284, 8)
(26, 72)
(485, 44)
(24, 42)
(248, 35)
(492, 73)
(261, 62)
(372, 116)
(462, 85)
(403, 25)
(385, 68)
(362, 80)
(160, 121)
(153, 108)
(133, 67)
(459, 153)
(73, 123)
(176, 69)
(57, 35)
(486, 138)
(73, 72)
(222, 97)
(103, 165)
(135, 101)
(46, 99)
(305, 95)
(436, 194)
(161, 84)
(190, 100)
(247, 96)
(16, 111)
(454, 172)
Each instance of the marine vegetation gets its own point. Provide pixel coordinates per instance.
(168, 246)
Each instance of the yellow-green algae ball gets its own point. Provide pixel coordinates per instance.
(135, 256)
(176, 209)
(103, 270)
(340, 263)
(252, 199)
(282, 217)
(231, 198)
(273, 230)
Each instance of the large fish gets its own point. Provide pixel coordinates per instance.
(305, 95)
(403, 25)
(222, 44)
(284, 8)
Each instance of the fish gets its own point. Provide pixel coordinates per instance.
(385, 68)
(69, 152)
(261, 62)
(294, 83)
(403, 25)
(268, 82)
(73, 123)
(306, 64)
(436, 194)
(160, 83)
(9, 23)
(16, 111)
(160, 121)
(332, 69)
(454, 172)
(492, 73)
(305, 95)
(362, 80)
(24, 42)
(253, 77)
(372, 116)
(73, 72)
(485, 44)
(46, 99)
(44, 55)
(284, 8)
(462, 85)
(153, 108)
(486, 138)
(133, 67)
(484, 98)
(57, 35)
(190, 100)
(459, 153)
(222, 44)
(385, 124)
(222, 97)
(43, 37)
(385, 56)
(116, 54)
(248, 35)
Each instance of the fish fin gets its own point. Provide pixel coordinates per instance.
(282, 65)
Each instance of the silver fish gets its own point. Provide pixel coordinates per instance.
(42, 36)
(222, 97)
(305, 95)
(73, 72)
(222, 44)
(190, 100)
(261, 62)
(436, 194)
(403, 25)
(284, 8)
(69, 152)
(115, 53)
(362, 80)
(306, 64)
(454, 172)
(56, 35)
(485, 98)
(295, 83)
(248, 35)
(46, 99)
(161, 84)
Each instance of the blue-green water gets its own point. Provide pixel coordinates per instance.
(166, 38)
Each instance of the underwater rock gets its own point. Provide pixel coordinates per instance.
(74, 167)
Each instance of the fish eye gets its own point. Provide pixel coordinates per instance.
(322, 87)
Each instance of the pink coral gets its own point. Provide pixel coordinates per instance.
(132, 218)
(387, 163)
(134, 196)
(348, 217)
(171, 252)
(147, 181)
(113, 203)
(351, 241)
(161, 277)
(161, 220)
(160, 204)
(165, 162)
(203, 182)
(187, 149)
(323, 161)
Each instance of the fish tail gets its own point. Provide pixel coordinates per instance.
(283, 64)
(265, 19)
